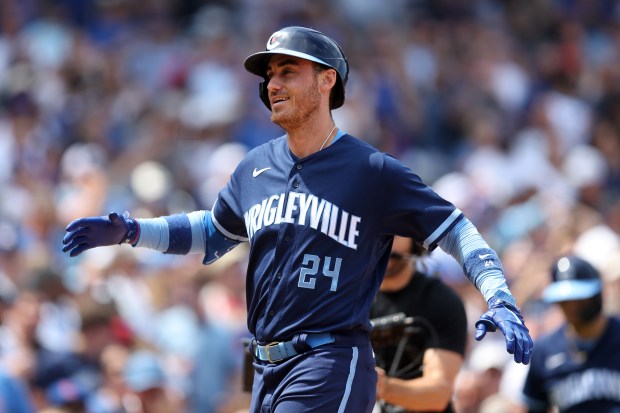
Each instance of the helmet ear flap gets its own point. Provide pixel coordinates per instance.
(264, 94)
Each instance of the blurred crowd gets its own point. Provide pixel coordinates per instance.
(509, 109)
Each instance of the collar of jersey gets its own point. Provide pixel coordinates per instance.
(339, 135)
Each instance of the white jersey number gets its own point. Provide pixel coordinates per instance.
(312, 263)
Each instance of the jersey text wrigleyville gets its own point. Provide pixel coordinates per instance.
(316, 213)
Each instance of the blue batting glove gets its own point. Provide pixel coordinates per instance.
(508, 319)
(86, 233)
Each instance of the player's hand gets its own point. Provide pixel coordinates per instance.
(86, 233)
(508, 319)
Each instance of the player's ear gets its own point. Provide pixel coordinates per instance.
(328, 79)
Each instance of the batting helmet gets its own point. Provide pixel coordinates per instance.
(307, 44)
(572, 279)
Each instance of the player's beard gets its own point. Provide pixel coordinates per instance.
(306, 104)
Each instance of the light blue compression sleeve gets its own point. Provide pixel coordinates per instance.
(480, 263)
(192, 233)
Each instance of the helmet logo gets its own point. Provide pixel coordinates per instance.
(274, 40)
(565, 272)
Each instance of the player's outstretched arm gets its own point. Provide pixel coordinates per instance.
(192, 233)
(483, 268)
(86, 233)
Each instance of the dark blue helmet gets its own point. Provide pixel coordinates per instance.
(307, 44)
(572, 279)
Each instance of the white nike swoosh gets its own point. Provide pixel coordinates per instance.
(484, 256)
(257, 172)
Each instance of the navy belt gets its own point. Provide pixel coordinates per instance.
(281, 350)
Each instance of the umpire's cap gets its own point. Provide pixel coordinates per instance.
(307, 44)
(573, 279)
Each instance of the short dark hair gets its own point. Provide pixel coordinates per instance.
(417, 249)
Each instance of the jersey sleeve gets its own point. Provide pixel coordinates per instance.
(227, 213)
(410, 208)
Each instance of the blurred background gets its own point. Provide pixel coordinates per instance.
(509, 109)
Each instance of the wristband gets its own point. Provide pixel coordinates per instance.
(133, 230)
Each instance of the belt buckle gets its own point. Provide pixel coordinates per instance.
(267, 347)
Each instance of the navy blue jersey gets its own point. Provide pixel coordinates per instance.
(320, 231)
(575, 381)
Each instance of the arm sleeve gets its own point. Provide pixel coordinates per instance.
(185, 234)
(480, 263)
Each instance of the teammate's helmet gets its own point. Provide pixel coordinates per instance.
(572, 279)
(307, 44)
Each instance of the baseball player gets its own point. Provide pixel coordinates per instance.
(576, 368)
(319, 208)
